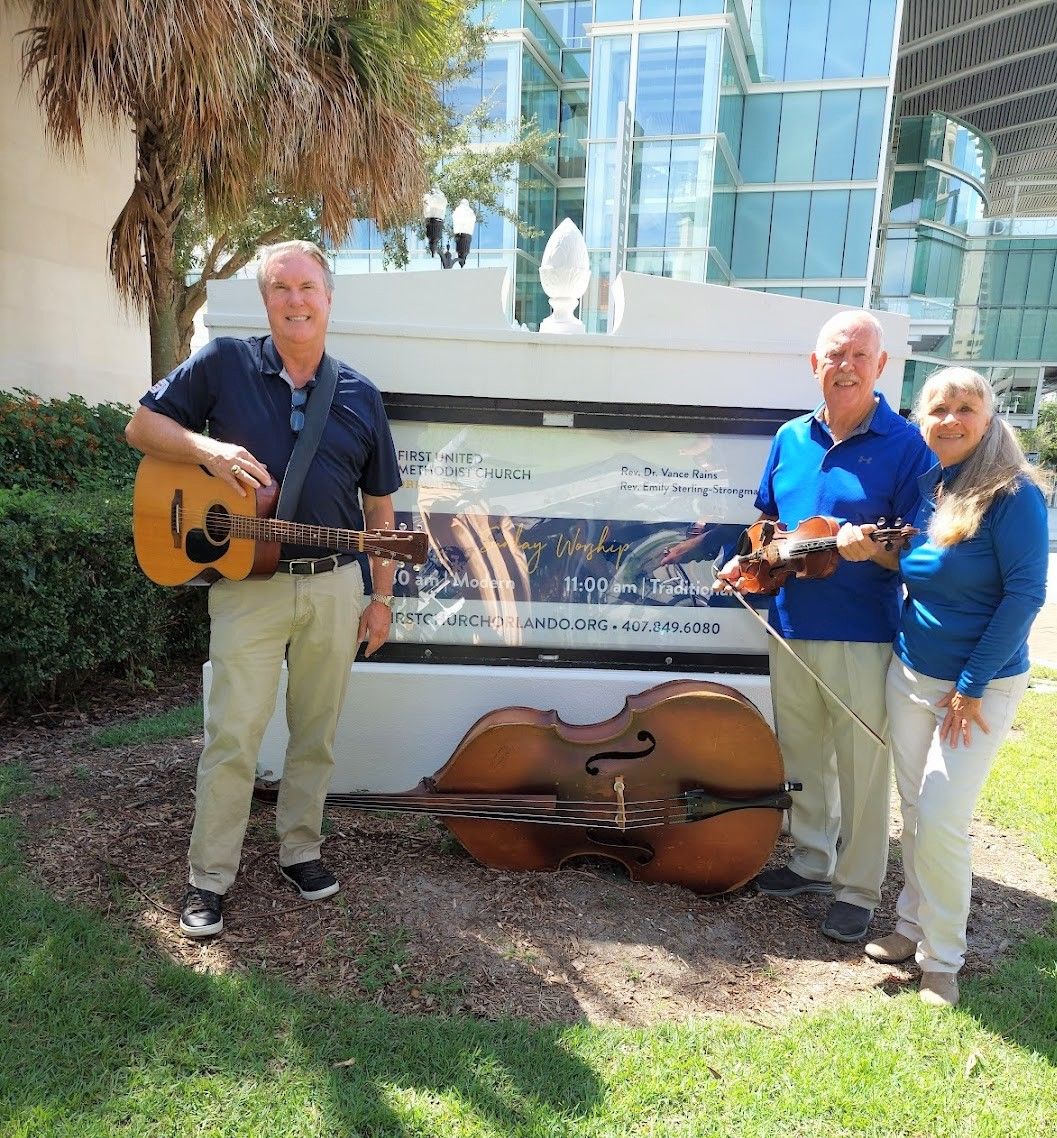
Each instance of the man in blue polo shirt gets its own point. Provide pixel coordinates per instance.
(315, 611)
(856, 460)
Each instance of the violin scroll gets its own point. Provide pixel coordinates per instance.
(893, 536)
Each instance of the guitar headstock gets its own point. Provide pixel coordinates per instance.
(891, 536)
(408, 546)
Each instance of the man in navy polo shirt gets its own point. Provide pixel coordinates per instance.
(856, 460)
(251, 396)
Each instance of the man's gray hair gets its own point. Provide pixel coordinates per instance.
(851, 316)
(268, 253)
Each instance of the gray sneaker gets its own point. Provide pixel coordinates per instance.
(846, 922)
(784, 882)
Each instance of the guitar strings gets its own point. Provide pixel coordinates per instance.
(226, 524)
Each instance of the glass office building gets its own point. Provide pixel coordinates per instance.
(750, 143)
(983, 290)
(737, 143)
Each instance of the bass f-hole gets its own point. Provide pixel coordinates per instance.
(591, 766)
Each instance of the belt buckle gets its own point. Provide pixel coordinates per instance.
(323, 564)
(309, 566)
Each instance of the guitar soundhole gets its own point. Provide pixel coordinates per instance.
(210, 543)
(218, 525)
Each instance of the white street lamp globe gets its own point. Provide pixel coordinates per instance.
(463, 219)
(434, 204)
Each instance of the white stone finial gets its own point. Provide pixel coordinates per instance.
(565, 273)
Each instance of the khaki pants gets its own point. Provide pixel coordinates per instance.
(938, 789)
(312, 622)
(839, 821)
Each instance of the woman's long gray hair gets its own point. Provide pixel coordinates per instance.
(993, 468)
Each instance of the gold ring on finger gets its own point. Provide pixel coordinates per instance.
(236, 470)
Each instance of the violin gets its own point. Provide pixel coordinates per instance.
(768, 553)
(684, 786)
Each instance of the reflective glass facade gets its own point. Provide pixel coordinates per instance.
(680, 147)
(528, 73)
(822, 39)
(737, 143)
(748, 142)
(988, 286)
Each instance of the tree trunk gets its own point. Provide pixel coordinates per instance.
(189, 299)
(143, 241)
(166, 346)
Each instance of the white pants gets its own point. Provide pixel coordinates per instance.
(312, 622)
(938, 789)
(843, 769)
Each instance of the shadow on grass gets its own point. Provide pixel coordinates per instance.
(1019, 1000)
(1016, 995)
(99, 1037)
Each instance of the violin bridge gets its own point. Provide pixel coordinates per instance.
(618, 790)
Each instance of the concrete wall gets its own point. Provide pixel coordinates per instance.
(62, 327)
(445, 333)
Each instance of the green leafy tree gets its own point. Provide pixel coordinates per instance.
(318, 101)
(1042, 438)
(202, 256)
(452, 159)
(450, 162)
(1046, 434)
(461, 168)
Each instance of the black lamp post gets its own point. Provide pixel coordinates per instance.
(463, 220)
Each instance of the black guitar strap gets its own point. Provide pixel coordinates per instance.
(316, 411)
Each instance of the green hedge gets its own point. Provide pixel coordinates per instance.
(63, 443)
(76, 607)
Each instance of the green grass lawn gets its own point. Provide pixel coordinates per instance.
(99, 1037)
(175, 724)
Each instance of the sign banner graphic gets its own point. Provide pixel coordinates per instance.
(564, 538)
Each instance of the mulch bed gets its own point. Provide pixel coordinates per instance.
(419, 927)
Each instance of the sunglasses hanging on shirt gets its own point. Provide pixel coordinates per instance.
(298, 398)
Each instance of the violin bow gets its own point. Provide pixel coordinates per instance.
(803, 663)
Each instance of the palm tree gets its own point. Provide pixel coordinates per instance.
(318, 99)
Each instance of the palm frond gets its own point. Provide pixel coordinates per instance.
(317, 98)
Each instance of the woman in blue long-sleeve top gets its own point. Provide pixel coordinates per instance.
(975, 579)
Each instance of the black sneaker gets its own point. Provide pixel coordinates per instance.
(312, 879)
(784, 882)
(202, 913)
(846, 922)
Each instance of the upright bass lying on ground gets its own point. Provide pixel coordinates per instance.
(684, 786)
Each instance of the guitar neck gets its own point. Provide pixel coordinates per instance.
(297, 533)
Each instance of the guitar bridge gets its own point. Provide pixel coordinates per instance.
(176, 517)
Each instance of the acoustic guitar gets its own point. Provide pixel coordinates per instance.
(192, 529)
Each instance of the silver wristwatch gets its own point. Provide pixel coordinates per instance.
(384, 599)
